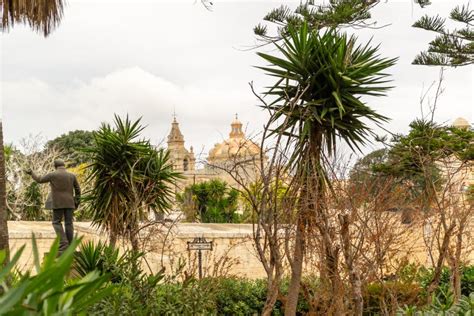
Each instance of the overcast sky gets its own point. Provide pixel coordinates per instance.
(151, 58)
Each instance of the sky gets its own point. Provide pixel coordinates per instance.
(151, 59)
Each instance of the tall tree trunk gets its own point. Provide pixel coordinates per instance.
(456, 263)
(4, 245)
(354, 274)
(443, 253)
(312, 191)
(296, 267)
(272, 294)
(112, 239)
(133, 235)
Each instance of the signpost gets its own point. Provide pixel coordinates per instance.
(200, 244)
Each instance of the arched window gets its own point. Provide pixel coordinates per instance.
(185, 164)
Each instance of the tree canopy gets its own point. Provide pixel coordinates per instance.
(330, 14)
(211, 202)
(450, 47)
(414, 158)
(72, 146)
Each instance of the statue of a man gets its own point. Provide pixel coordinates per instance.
(65, 198)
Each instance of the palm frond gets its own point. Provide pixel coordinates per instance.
(329, 74)
(41, 15)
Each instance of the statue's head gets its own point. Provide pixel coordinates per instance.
(59, 163)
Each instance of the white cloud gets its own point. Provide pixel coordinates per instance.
(204, 111)
(152, 57)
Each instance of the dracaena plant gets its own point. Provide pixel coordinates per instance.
(50, 291)
(317, 100)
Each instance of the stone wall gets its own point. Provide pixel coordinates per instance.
(233, 249)
(232, 253)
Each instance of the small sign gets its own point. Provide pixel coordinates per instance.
(200, 246)
(199, 243)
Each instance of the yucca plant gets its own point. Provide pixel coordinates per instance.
(50, 291)
(316, 101)
(129, 177)
(97, 256)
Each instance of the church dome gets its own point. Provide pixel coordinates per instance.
(237, 147)
(461, 123)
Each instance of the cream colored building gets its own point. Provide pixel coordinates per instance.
(237, 150)
(182, 159)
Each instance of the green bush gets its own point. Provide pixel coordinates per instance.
(467, 281)
(445, 306)
(139, 294)
(135, 291)
(240, 296)
(50, 291)
(389, 296)
(190, 297)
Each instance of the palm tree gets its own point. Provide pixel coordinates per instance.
(42, 16)
(321, 78)
(129, 178)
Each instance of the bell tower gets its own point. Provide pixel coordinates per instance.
(182, 159)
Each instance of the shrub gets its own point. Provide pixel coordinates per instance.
(190, 297)
(50, 291)
(465, 306)
(240, 296)
(467, 281)
(135, 290)
(388, 296)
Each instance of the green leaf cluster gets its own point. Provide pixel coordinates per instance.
(321, 79)
(413, 158)
(330, 14)
(33, 203)
(72, 145)
(450, 47)
(212, 202)
(129, 177)
(134, 290)
(49, 291)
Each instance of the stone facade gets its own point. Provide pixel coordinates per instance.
(182, 159)
(237, 149)
(233, 251)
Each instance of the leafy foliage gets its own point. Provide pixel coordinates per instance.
(385, 296)
(98, 257)
(49, 292)
(330, 14)
(72, 145)
(211, 202)
(412, 158)
(33, 202)
(447, 306)
(449, 48)
(129, 178)
(328, 74)
(134, 289)
(363, 173)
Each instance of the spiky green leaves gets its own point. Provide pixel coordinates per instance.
(129, 176)
(321, 78)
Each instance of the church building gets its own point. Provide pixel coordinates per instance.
(237, 149)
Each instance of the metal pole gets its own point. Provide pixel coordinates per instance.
(200, 263)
